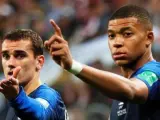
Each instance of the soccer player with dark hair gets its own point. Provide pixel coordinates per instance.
(28, 98)
(130, 38)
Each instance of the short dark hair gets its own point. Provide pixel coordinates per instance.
(26, 34)
(134, 11)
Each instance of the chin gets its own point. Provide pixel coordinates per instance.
(121, 62)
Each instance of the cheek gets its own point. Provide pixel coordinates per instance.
(27, 68)
(136, 48)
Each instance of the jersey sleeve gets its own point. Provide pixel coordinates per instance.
(148, 77)
(39, 108)
(152, 81)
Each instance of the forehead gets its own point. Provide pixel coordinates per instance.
(122, 22)
(16, 45)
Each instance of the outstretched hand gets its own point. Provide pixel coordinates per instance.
(58, 48)
(10, 86)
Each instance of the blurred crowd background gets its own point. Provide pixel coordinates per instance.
(83, 24)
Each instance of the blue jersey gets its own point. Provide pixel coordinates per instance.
(149, 73)
(42, 104)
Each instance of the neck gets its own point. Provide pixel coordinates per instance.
(129, 69)
(32, 85)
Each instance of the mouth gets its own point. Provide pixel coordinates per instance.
(10, 73)
(119, 55)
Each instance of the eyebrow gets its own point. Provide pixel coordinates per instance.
(120, 31)
(5, 51)
(17, 51)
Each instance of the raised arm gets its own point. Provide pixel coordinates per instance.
(112, 85)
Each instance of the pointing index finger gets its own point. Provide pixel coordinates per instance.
(16, 71)
(56, 27)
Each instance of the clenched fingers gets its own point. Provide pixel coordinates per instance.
(54, 40)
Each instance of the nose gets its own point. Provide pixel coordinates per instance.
(118, 42)
(11, 62)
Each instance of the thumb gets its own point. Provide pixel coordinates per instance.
(16, 71)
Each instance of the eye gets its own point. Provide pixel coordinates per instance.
(127, 34)
(5, 56)
(19, 56)
(111, 36)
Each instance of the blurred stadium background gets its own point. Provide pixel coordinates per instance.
(83, 24)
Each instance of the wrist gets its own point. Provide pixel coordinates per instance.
(76, 67)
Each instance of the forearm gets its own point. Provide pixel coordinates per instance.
(112, 85)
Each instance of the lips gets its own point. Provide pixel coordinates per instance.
(119, 55)
(10, 73)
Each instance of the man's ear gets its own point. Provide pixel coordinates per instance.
(39, 62)
(150, 38)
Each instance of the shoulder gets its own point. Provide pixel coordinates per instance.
(150, 75)
(47, 93)
(153, 66)
(51, 100)
(150, 68)
(46, 90)
(55, 101)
